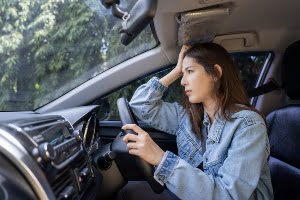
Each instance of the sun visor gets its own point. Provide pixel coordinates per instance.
(200, 25)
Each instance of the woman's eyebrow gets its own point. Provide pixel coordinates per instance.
(188, 67)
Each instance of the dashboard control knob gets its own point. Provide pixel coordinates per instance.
(78, 135)
(85, 172)
(104, 162)
(67, 192)
(47, 152)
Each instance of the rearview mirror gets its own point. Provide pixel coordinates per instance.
(138, 18)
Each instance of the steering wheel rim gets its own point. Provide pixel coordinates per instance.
(127, 117)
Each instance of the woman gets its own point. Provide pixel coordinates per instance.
(222, 142)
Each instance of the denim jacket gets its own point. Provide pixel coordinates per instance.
(234, 163)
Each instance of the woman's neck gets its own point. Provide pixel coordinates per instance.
(210, 108)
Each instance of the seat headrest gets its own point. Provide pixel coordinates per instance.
(291, 71)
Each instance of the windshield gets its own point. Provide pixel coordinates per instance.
(49, 47)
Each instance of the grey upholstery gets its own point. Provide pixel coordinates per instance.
(284, 131)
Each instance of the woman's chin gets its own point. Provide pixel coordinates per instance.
(193, 100)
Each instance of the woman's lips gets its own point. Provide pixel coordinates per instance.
(188, 92)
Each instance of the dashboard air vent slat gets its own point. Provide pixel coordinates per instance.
(61, 181)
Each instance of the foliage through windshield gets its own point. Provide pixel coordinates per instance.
(49, 47)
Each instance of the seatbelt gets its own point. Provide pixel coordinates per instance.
(263, 89)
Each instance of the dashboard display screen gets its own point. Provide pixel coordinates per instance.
(53, 136)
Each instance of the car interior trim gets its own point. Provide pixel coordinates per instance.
(18, 155)
(262, 75)
(23, 133)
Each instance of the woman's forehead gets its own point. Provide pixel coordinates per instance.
(190, 62)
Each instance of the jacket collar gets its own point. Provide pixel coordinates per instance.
(216, 128)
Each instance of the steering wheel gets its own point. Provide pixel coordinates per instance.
(146, 169)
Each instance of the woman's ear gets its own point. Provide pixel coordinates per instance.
(219, 71)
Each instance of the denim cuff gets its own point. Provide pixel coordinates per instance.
(166, 167)
(156, 85)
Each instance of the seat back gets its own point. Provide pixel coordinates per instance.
(284, 131)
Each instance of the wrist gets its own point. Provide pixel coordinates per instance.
(177, 71)
(159, 158)
(170, 77)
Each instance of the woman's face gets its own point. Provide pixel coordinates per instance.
(198, 84)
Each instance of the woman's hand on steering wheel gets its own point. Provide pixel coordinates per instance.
(142, 145)
(138, 143)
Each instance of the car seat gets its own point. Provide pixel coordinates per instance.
(284, 131)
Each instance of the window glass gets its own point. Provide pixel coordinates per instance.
(49, 47)
(173, 94)
(249, 65)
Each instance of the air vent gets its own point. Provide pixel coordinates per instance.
(42, 125)
(84, 169)
(62, 180)
(81, 162)
(35, 122)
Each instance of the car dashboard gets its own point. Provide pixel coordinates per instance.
(49, 156)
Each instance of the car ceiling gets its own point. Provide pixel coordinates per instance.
(276, 23)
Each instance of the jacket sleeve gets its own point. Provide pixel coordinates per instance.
(237, 178)
(148, 106)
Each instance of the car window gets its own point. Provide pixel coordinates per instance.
(48, 47)
(250, 66)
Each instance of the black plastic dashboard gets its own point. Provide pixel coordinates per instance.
(48, 156)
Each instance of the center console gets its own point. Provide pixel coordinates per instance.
(57, 151)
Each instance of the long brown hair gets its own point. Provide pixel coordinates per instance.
(228, 89)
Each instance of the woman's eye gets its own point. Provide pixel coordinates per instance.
(189, 71)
